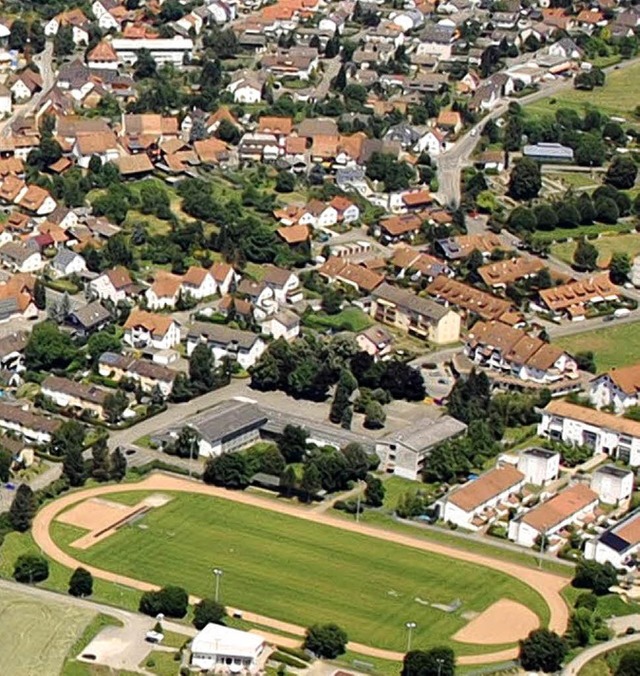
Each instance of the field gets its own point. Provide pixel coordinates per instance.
(35, 635)
(617, 97)
(613, 346)
(292, 570)
(349, 319)
(607, 246)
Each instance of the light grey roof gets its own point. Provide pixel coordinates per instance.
(556, 150)
(16, 252)
(91, 314)
(612, 470)
(409, 301)
(426, 435)
(63, 258)
(228, 420)
(222, 335)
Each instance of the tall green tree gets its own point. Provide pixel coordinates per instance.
(525, 180)
(118, 465)
(100, 465)
(73, 467)
(327, 641)
(438, 661)
(81, 583)
(23, 508)
(585, 256)
(543, 650)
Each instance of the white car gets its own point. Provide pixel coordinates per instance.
(154, 637)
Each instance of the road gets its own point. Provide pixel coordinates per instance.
(44, 61)
(548, 585)
(589, 654)
(451, 162)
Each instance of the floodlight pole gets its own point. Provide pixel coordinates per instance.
(410, 627)
(218, 574)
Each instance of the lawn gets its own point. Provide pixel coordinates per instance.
(573, 179)
(618, 96)
(607, 246)
(613, 346)
(301, 572)
(35, 636)
(395, 487)
(350, 319)
(580, 231)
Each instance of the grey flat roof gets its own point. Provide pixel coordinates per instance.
(222, 335)
(612, 470)
(539, 453)
(427, 434)
(227, 420)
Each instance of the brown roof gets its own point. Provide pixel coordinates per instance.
(276, 276)
(590, 17)
(591, 416)
(275, 125)
(449, 118)
(626, 378)
(340, 203)
(119, 277)
(10, 187)
(630, 530)
(469, 243)
(295, 145)
(90, 393)
(417, 199)
(509, 271)
(158, 325)
(476, 493)
(469, 298)
(220, 271)
(195, 276)
(166, 285)
(103, 51)
(362, 277)
(401, 225)
(579, 292)
(34, 197)
(211, 150)
(151, 124)
(98, 142)
(134, 164)
(325, 147)
(27, 419)
(563, 505)
(294, 234)
(405, 257)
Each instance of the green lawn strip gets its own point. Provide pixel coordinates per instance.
(58, 580)
(378, 667)
(395, 487)
(606, 246)
(349, 319)
(94, 627)
(314, 573)
(613, 346)
(161, 663)
(559, 234)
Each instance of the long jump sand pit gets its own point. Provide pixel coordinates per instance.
(103, 517)
(502, 622)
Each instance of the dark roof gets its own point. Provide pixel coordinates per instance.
(222, 335)
(91, 315)
(409, 301)
(228, 420)
(27, 419)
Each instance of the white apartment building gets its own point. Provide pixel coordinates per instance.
(612, 484)
(163, 50)
(539, 465)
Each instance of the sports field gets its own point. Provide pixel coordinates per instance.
(613, 346)
(302, 572)
(35, 635)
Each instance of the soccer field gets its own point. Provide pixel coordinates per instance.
(303, 572)
(35, 635)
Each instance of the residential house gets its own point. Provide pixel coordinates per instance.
(491, 160)
(573, 299)
(243, 347)
(618, 387)
(224, 277)
(26, 85)
(375, 341)
(12, 348)
(67, 262)
(401, 227)
(103, 145)
(614, 485)
(21, 257)
(500, 274)
(476, 503)
(603, 432)
(514, 353)
(74, 18)
(6, 104)
(461, 246)
(16, 298)
(618, 544)
(405, 453)
(198, 283)
(222, 649)
(145, 329)
(573, 506)
(163, 50)
(418, 316)
(282, 324)
(540, 466)
(246, 90)
(103, 57)
(73, 396)
(258, 294)
(30, 426)
(89, 318)
(298, 62)
(285, 284)
(449, 120)
(35, 199)
(115, 285)
(409, 261)
(102, 10)
(147, 374)
(346, 210)
(164, 292)
(337, 269)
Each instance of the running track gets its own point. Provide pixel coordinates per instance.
(546, 584)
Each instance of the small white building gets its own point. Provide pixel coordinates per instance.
(284, 284)
(617, 544)
(539, 465)
(568, 507)
(224, 650)
(163, 50)
(619, 388)
(198, 283)
(468, 505)
(603, 432)
(147, 329)
(612, 484)
(243, 347)
(283, 324)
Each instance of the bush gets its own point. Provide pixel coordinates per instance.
(595, 576)
(279, 656)
(326, 640)
(30, 568)
(81, 583)
(170, 601)
(208, 611)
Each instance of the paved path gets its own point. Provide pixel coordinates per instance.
(589, 654)
(546, 584)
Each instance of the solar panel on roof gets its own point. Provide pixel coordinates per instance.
(614, 541)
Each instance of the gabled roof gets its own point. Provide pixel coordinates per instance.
(156, 324)
(626, 379)
(475, 494)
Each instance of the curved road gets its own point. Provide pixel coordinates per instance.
(589, 654)
(546, 584)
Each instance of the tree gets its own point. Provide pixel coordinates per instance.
(272, 461)
(285, 181)
(39, 294)
(201, 368)
(590, 151)
(229, 469)
(6, 461)
(402, 381)
(523, 219)
(293, 443)
(374, 492)
(374, 415)
(311, 481)
(585, 257)
(629, 664)
(48, 348)
(607, 210)
(118, 464)
(327, 641)
(18, 36)
(595, 576)
(439, 661)
(100, 466)
(145, 65)
(341, 399)
(470, 397)
(208, 611)
(81, 583)
(332, 299)
(288, 480)
(23, 508)
(63, 43)
(228, 132)
(68, 437)
(622, 172)
(542, 650)
(73, 467)
(584, 205)
(101, 342)
(30, 568)
(186, 444)
(582, 627)
(114, 406)
(170, 601)
(525, 180)
(620, 267)
(586, 361)
(546, 217)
